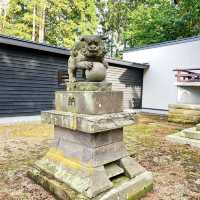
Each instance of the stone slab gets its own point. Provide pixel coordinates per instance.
(89, 102)
(88, 123)
(112, 170)
(81, 177)
(186, 112)
(134, 189)
(93, 156)
(198, 127)
(185, 106)
(183, 113)
(131, 166)
(178, 138)
(89, 86)
(89, 140)
(191, 133)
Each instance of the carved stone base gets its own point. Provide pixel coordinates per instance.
(67, 179)
(87, 162)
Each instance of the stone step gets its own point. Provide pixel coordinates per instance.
(191, 133)
(112, 170)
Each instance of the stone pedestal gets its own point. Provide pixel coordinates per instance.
(88, 155)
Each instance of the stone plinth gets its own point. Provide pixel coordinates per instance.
(89, 102)
(95, 149)
(184, 113)
(87, 159)
(88, 123)
(89, 86)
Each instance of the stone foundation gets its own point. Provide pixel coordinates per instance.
(123, 187)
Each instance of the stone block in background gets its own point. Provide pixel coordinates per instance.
(184, 113)
(89, 102)
(188, 136)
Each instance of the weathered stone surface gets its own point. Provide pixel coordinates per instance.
(129, 189)
(187, 112)
(88, 123)
(81, 177)
(185, 106)
(191, 133)
(198, 127)
(99, 182)
(133, 189)
(131, 167)
(89, 102)
(50, 184)
(89, 140)
(94, 156)
(88, 55)
(184, 113)
(178, 138)
(112, 170)
(88, 86)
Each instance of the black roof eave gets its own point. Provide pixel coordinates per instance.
(33, 45)
(62, 51)
(127, 63)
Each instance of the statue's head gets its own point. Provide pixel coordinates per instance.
(91, 46)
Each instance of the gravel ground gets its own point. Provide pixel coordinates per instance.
(175, 167)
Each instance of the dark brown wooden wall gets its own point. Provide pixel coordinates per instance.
(28, 80)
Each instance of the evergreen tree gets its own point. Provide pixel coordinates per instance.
(57, 22)
(157, 21)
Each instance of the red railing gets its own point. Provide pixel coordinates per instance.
(188, 75)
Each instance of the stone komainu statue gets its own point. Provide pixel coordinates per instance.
(88, 55)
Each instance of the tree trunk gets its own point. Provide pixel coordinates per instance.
(34, 23)
(3, 15)
(1, 18)
(42, 24)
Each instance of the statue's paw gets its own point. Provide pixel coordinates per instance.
(89, 65)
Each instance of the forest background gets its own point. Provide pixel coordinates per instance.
(124, 23)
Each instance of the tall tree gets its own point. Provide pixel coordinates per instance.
(57, 22)
(67, 19)
(3, 14)
(160, 20)
(114, 21)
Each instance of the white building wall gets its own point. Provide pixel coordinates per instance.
(159, 88)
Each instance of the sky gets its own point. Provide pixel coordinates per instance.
(4, 3)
